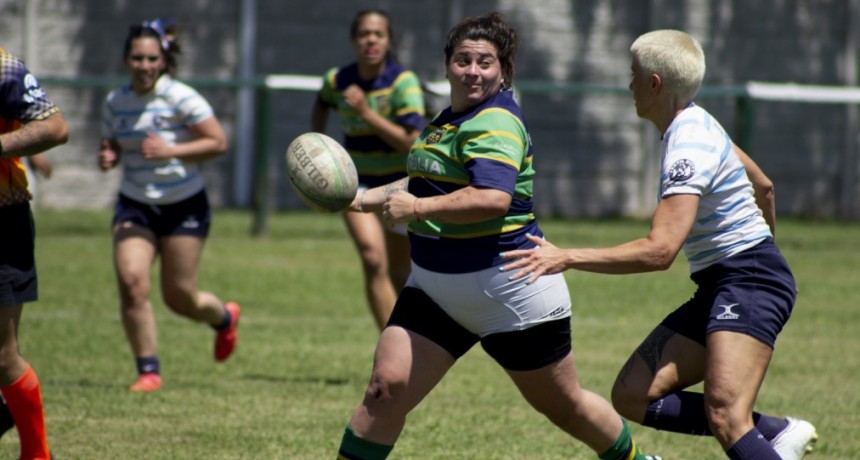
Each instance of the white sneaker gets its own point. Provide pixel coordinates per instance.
(796, 440)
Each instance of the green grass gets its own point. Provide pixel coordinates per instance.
(307, 340)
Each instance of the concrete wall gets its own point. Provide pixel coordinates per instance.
(594, 157)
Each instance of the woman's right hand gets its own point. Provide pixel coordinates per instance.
(108, 157)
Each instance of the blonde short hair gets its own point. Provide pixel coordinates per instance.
(674, 55)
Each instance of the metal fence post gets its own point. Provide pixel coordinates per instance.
(261, 161)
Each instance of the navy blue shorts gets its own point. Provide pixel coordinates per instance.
(18, 282)
(751, 292)
(368, 181)
(191, 216)
(523, 350)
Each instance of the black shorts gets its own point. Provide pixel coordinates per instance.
(523, 350)
(191, 216)
(751, 292)
(18, 283)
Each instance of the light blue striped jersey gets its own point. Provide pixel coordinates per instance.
(168, 111)
(698, 159)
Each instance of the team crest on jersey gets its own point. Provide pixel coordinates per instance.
(435, 136)
(158, 121)
(32, 89)
(681, 171)
(383, 104)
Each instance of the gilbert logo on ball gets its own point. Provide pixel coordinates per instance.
(321, 172)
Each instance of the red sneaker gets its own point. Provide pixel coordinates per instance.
(225, 341)
(146, 382)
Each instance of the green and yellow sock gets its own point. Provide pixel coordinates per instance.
(624, 448)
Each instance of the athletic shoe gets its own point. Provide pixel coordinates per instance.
(6, 422)
(147, 382)
(796, 440)
(653, 457)
(225, 341)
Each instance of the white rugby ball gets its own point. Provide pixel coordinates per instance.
(321, 172)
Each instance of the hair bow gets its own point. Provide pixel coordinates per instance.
(159, 26)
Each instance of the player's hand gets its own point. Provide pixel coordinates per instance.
(544, 259)
(108, 157)
(399, 208)
(354, 97)
(153, 147)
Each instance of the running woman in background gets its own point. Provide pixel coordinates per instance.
(161, 129)
(29, 124)
(381, 109)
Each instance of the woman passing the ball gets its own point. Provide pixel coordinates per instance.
(381, 107)
(162, 130)
(468, 198)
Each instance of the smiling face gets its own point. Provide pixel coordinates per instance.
(145, 63)
(371, 40)
(474, 72)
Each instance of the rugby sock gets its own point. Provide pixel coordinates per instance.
(684, 412)
(147, 364)
(752, 446)
(624, 448)
(354, 448)
(24, 398)
(225, 323)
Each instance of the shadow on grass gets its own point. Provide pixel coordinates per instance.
(300, 380)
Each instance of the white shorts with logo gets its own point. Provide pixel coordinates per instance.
(486, 302)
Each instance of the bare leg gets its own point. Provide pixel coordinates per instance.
(369, 237)
(180, 261)
(555, 392)
(134, 254)
(406, 367)
(737, 364)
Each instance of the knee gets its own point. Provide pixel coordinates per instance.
(373, 259)
(134, 289)
(384, 395)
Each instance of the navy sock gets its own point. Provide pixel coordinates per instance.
(684, 412)
(225, 323)
(752, 446)
(147, 364)
(681, 412)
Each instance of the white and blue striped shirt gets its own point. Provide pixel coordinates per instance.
(698, 159)
(167, 111)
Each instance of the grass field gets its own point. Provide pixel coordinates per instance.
(307, 338)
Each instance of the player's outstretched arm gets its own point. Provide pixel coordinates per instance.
(35, 137)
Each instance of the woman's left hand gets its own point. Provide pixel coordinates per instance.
(544, 259)
(153, 147)
(399, 208)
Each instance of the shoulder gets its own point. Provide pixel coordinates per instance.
(176, 89)
(500, 112)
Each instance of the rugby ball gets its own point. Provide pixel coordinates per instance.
(321, 172)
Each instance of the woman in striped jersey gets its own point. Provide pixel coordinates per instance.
(381, 110)
(717, 205)
(161, 129)
(467, 198)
